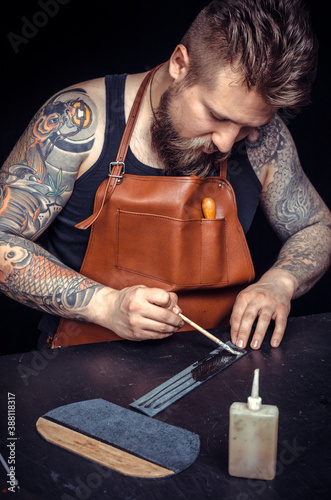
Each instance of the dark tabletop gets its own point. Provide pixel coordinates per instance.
(295, 377)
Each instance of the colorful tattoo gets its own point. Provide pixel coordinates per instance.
(35, 183)
(39, 174)
(34, 277)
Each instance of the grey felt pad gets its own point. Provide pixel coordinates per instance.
(158, 442)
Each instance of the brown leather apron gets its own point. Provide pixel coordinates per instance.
(150, 231)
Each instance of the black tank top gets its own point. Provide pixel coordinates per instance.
(69, 244)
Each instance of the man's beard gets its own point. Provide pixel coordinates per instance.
(180, 156)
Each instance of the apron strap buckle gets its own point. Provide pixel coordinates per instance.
(119, 176)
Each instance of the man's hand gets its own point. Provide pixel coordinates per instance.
(141, 313)
(268, 299)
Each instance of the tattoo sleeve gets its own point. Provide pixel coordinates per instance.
(37, 279)
(35, 183)
(293, 207)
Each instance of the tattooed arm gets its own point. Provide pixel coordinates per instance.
(62, 141)
(35, 183)
(301, 220)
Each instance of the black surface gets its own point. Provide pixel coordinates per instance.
(295, 377)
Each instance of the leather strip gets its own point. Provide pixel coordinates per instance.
(223, 169)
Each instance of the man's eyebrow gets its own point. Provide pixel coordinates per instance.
(219, 116)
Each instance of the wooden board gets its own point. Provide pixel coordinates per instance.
(100, 452)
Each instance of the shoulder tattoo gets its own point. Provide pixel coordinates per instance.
(38, 176)
(262, 150)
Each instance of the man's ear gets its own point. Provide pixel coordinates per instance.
(179, 63)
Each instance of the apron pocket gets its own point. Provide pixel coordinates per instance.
(157, 246)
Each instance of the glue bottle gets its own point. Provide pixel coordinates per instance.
(253, 437)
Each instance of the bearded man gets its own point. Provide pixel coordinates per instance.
(83, 239)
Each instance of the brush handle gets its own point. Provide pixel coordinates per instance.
(209, 335)
(209, 208)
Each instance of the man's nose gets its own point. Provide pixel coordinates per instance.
(225, 137)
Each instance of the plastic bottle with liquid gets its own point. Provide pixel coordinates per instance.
(253, 433)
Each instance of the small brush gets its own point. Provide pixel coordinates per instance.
(210, 336)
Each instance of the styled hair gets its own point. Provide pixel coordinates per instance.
(269, 42)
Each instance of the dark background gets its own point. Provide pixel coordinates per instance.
(77, 41)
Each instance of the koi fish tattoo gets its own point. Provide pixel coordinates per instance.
(32, 276)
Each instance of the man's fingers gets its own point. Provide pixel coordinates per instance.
(158, 315)
(140, 313)
(260, 330)
(250, 307)
(242, 320)
(162, 298)
(278, 333)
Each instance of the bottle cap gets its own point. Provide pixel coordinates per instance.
(254, 400)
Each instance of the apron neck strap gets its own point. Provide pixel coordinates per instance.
(124, 145)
